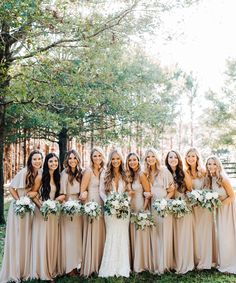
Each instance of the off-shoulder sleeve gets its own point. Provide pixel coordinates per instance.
(18, 182)
(64, 182)
(102, 188)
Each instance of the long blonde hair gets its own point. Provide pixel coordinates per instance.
(147, 168)
(109, 172)
(199, 166)
(220, 173)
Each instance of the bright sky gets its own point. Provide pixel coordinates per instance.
(204, 39)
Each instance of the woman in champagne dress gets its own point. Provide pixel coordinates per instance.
(17, 249)
(94, 232)
(218, 181)
(183, 227)
(115, 260)
(45, 233)
(71, 229)
(141, 250)
(204, 238)
(161, 182)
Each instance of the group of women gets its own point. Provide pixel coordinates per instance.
(35, 248)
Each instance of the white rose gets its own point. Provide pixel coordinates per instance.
(174, 202)
(143, 215)
(115, 203)
(126, 203)
(200, 198)
(113, 211)
(52, 205)
(87, 209)
(208, 196)
(178, 202)
(93, 206)
(164, 202)
(215, 195)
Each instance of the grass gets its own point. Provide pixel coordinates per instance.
(203, 276)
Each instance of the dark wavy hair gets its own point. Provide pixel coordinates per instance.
(46, 188)
(31, 174)
(77, 175)
(179, 172)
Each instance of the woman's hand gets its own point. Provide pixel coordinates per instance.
(83, 196)
(171, 188)
(32, 195)
(61, 198)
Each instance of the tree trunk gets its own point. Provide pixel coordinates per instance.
(63, 138)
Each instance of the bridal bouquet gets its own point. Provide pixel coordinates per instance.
(117, 204)
(210, 200)
(142, 220)
(23, 205)
(161, 207)
(50, 207)
(92, 209)
(178, 207)
(195, 197)
(71, 208)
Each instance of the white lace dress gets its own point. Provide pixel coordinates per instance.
(115, 260)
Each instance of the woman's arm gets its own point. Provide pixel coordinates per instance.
(84, 185)
(14, 193)
(229, 190)
(188, 182)
(33, 193)
(146, 187)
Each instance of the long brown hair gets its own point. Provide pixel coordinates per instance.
(31, 174)
(98, 149)
(109, 173)
(77, 175)
(130, 173)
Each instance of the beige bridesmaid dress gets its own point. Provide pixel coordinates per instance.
(226, 232)
(204, 238)
(45, 244)
(70, 230)
(94, 233)
(141, 249)
(162, 234)
(183, 241)
(17, 249)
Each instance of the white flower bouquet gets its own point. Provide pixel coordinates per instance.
(50, 207)
(210, 200)
(161, 207)
(142, 220)
(92, 209)
(71, 208)
(23, 205)
(117, 204)
(195, 197)
(178, 207)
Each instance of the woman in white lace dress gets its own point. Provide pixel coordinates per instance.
(115, 260)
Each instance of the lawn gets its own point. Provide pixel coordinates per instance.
(194, 276)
